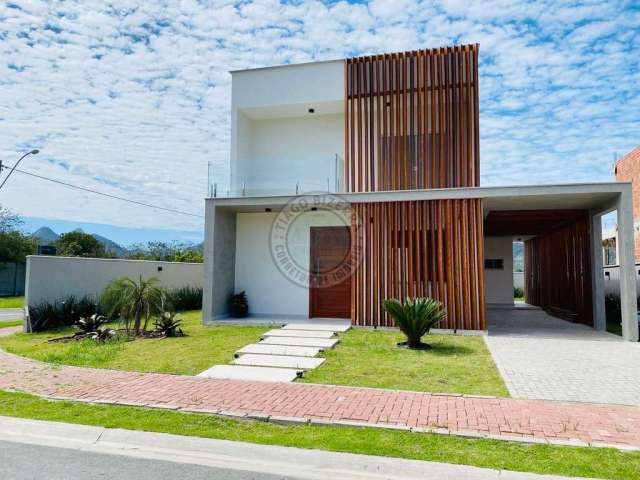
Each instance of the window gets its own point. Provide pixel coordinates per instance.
(494, 264)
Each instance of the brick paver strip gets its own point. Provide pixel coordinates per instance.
(529, 420)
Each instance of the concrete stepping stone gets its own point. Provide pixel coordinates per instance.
(300, 342)
(262, 349)
(257, 374)
(280, 361)
(298, 333)
(320, 327)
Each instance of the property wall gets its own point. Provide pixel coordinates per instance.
(628, 170)
(52, 278)
(499, 283)
(12, 276)
(269, 291)
(289, 150)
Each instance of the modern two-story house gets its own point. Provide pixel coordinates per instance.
(355, 180)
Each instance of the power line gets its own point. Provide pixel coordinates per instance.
(116, 197)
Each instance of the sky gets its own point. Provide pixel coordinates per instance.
(132, 98)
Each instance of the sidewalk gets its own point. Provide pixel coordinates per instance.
(239, 456)
(10, 314)
(501, 418)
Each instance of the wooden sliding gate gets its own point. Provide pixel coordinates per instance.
(558, 271)
(411, 120)
(423, 248)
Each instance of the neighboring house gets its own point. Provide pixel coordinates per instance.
(627, 169)
(610, 247)
(356, 180)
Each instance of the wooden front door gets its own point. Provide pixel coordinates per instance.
(330, 279)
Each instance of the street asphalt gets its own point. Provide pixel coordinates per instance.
(35, 462)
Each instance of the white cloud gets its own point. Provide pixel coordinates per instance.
(134, 100)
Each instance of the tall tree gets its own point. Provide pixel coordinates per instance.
(79, 244)
(14, 245)
(9, 221)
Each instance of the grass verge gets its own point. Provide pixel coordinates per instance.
(11, 302)
(370, 358)
(548, 459)
(189, 355)
(11, 323)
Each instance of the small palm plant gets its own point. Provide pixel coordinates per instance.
(134, 300)
(168, 324)
(415, 317)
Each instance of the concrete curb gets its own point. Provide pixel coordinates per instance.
(308, 464)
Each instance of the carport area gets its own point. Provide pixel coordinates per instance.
(560, 226)
(556, 346)
(543, 357)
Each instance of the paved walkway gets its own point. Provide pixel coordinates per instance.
(542, 357)
(11, 314)
(279, 356)
(524, 420)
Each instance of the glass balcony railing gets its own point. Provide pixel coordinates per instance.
(329, 178)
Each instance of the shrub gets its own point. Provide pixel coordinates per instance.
(90, 324)
(168, 324)
(415, 317)
(612, 308)
(239, 306)
(518, 292)
(60, 313)
(185, 298)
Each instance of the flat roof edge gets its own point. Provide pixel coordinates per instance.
(443, 193)
(286, 65)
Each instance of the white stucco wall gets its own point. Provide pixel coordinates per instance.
(275, 141)
(53, 278)
(499, 283)
(269, 291)
(289, 150)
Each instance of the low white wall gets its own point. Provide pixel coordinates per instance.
(269, 291)
(499, 283)
(518, 280)
(52, 278)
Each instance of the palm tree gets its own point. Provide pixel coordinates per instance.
(415, 317)
(133, 300)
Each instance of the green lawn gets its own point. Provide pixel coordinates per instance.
(190, 355)
(10, 323)
(547, 459)
(11, 302)
(370, 358)
(366, 358)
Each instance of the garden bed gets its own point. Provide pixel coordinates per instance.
(201, 348)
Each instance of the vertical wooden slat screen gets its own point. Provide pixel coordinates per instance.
(558, 272)
(419, 248)
(411, 120)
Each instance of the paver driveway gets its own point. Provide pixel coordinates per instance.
(541, 357)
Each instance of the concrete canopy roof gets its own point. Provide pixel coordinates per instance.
(589, 196)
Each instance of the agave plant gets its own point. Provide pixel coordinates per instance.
(102, 334)
(168, 324)
(90, 324)
(415, 317)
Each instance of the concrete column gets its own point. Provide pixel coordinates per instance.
(219, 261)
(627, 266)
(597, 273)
